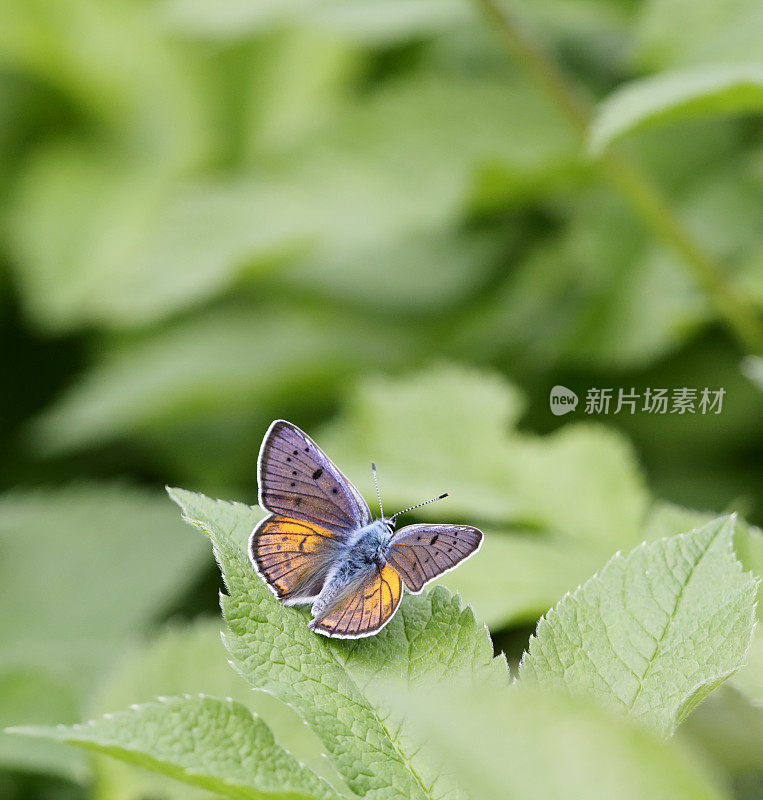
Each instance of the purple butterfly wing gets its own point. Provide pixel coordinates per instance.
(297, 480)
(422, 552)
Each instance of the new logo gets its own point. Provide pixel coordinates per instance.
(562, 400)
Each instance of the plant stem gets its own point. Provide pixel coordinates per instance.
(643, 195)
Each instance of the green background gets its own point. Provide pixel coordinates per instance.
(379, 220)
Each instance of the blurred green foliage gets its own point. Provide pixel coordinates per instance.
(368, 217)
(648, 636)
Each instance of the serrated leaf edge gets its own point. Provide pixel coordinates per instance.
(730, 520)
(46, 731)
(211, 535)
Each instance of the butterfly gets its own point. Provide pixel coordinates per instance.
(320, 544)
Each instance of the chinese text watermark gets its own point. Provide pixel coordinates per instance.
(679, 400)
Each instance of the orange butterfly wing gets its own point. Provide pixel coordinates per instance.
(365, 608)
(293, 556)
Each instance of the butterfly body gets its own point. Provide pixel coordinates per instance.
(321, 545)
(370, 544)
(367, 549)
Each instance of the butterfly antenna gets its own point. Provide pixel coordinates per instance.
(418, 505)
(376, 484)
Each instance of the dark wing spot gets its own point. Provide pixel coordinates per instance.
(284, 538)
(295, 452)
(294, 472)
(317, 474)
(334, 490)
(450, 549)
(278, 547)
(418, 538)
(293, 484)
(307, 449)
(302, 544)
(288, 458)
(434, 538)
(297, 501)
(426, 560)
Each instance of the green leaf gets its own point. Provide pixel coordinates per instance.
(190, 659)
(673, 33)
(678, 95)
(667, 519)
(395, 21)
(331, 683)
(654, 631)
(419, 274)
(203, 741)
(581, 481)
(728, 727)
(130, 244)
(749, 679)
(721, 212)
(84, 569)
(519, 574)
(32, 696)
(536, 745)
(208, 369)
(173, 662)
(625, 274)
(234, 521)
(567, 500)
(112, 64)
